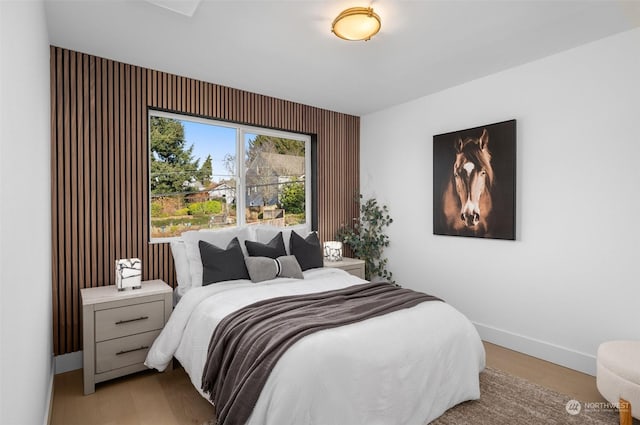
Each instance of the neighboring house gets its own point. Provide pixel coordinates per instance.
(223, 190)
(193, 184)
(267, 163)
(267, 172)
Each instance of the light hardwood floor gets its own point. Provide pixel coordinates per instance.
(169, 398)
(580, 386)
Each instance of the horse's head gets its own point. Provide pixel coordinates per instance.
(473, 177)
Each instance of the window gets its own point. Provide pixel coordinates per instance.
(206, 174)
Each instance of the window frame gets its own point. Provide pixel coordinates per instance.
(240, 175)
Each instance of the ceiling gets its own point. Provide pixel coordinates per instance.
(285, 48)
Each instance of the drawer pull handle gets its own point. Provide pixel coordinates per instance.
(144, 347)
(120, 322)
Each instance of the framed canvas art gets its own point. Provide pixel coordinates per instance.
(474, 182)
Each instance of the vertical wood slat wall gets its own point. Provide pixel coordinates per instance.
(99, 168)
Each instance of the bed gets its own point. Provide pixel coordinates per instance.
(405, 367)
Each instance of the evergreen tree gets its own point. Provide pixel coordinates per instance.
(206, 171)
(172, 163)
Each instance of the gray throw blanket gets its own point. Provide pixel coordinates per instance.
(247, 344)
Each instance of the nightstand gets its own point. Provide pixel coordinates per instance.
(350, 265)
(118, 328)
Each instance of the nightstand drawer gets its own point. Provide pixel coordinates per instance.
(129, 320)
(121, 352)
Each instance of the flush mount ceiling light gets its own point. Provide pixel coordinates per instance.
(356, 23)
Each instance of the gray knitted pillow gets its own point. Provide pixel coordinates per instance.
(265, 268)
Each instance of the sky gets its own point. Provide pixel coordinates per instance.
(214, 140)
(211, 140)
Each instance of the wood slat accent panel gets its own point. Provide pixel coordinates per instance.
(99, 168)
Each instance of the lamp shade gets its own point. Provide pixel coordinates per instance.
(356, 23)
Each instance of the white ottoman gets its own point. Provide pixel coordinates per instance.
(618, 376)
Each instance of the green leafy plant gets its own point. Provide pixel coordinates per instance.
(292, 198)
(367, 239)
(206, 207)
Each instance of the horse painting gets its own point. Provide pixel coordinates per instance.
(474, 182)
(466, 201)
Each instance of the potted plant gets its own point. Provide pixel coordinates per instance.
(367, 239)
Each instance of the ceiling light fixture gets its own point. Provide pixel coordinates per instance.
(356, 23)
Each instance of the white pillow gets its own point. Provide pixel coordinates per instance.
(182, 264)
(219, 238)
(264, 233)
(178, 293)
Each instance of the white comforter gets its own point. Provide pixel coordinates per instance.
(405, 367)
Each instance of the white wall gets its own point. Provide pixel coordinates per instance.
(25, 218)
(571, 279)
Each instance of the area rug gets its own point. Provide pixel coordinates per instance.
(509, 400)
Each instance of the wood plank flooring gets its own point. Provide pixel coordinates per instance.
(579, 385)
(169, 398)
(143, 398)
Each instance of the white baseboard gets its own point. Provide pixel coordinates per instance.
(563, 356)
(49, 406)
(69, 361)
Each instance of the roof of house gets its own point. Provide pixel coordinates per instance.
(266, 163)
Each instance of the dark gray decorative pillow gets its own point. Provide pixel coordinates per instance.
(308, 251)
(265, 268)
(272, 249)
(222, 264)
